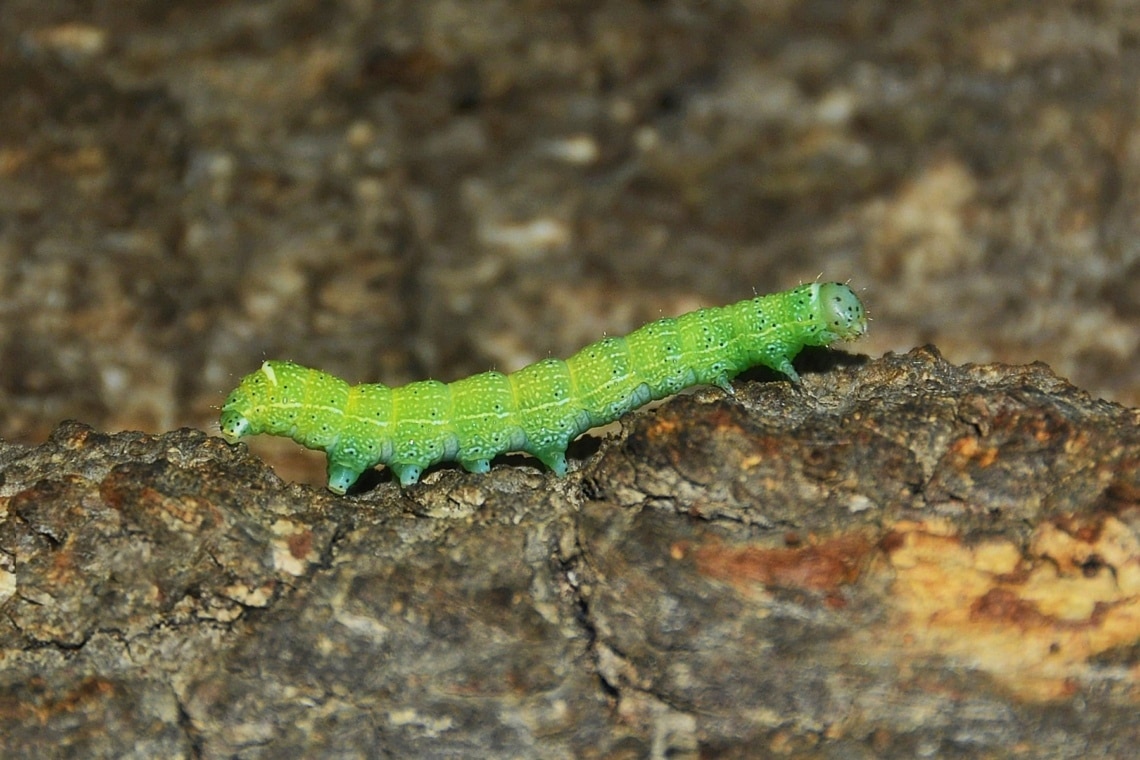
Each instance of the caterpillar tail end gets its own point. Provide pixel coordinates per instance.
(234, 426)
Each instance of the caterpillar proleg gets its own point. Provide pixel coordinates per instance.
(542, 407)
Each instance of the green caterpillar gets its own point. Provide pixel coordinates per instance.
(541, 408)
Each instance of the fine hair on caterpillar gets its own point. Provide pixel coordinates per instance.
(542, 407)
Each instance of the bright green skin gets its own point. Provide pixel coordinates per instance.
(541, 408)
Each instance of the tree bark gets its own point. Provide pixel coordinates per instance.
(895, 557)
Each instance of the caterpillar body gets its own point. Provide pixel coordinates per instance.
(542, 407)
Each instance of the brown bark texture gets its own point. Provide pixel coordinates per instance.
(895, 558)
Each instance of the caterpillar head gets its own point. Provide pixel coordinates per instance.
(841, 310)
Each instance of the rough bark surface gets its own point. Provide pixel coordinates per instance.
(896, 558)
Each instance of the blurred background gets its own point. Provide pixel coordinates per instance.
(430, 188)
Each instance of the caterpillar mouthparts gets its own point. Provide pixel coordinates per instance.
(542, 407)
